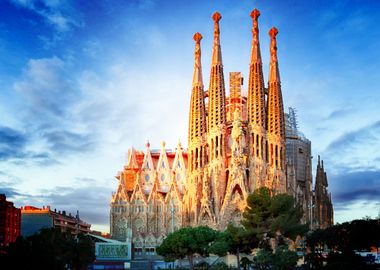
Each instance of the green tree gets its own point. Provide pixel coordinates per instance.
(343, 240)
(281, 259)
(220, 266)
(233, 240)
(49, 249)
(187, 242)
(355, 235)
(245, 263)
(264, 259)
(272, 216)
(284, 258)
(81, 252)
(345, 261)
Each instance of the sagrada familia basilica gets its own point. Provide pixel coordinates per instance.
(236, 144)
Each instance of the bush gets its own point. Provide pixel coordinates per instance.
(219, 266)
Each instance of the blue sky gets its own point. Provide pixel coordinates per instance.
(82, 81)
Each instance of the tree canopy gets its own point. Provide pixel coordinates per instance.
(187, 242)
(272, 218)
(282, 259)
(233, 240)
(269, 215)
(343, 240)
(355, 235)
(49, 249)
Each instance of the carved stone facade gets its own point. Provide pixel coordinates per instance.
(236, 144)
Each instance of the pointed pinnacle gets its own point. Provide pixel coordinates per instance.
(216, 17)
(274, 74)
(273, 32)
(197, 77)
(197, 37)
(255, 14)
(255, 50)
(216, 52)
(255, 28)
(273, 43)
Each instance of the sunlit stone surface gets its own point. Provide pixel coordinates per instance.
(236, 144)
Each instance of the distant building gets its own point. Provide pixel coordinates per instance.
(323, 215)
(316, 203)
(298, 157)
(101, 234)
(111, 254)
(10, 220)
(33, 219)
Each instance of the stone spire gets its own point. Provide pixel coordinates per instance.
(197, 115)
(216, 128)
(274, 74)
(197, 77)
(276, 125)
(217, 107)
(256, 91)
(256, 110)
(255, 49)
(323, 211)
(216, 52)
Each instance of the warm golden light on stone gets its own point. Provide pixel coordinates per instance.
(255, 14)
(216, 17)
(197, 37)
(236, 144)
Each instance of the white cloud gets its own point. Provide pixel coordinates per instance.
(44, 88)
(360, 209)
(55, 12)
(125, 105)
(355, 150)
(58, 20)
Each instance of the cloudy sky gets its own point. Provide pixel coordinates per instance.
(82, 81)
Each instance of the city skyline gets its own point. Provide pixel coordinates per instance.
(83, 83)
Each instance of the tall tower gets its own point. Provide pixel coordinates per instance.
(197, 135)
(276, 124)
(216, 120)
(323, 209)
(256, 111)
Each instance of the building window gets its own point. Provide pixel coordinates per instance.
(138, 251)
